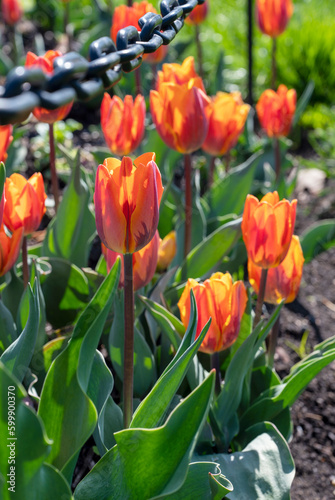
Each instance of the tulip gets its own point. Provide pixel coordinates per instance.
(167, 251)
(275, 110)
(46, 64)
(25, 202)
(217, 298)
(122, 123)
(273, 15)
(284, 280)
(144, 263)
(267, 228)
(179, 73)
(127, 199)
(198, 14)
(11, 11)
(227, 115)
(178, 111)
(128, 16)
(9, 248)
(5, 140)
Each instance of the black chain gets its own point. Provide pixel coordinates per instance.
(75, 78)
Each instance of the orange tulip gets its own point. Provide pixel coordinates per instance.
(267, 228)
(144, 263)
(9, 248)
(179, 73)
(217, 298)
(122, 122)
(226, 117)
(275, 110)
(198, 14)
(11, 11)
(127, 199)
(282, 281)
(5, 140)
(128, 16)
(178, 111)
(25, 202)
(46, 64)
(167, 251)
(273, 15)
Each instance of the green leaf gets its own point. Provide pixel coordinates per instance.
(69, 414)
(33, 478)
(303, 102)
(209, 252)
(228, 195)
(8, 331)
(264, 470)
(317, 238)
(18, 355)
(70, 232)
(11, 295)
(153, 408)
(2, 177)
(150, 463)
(66, 292)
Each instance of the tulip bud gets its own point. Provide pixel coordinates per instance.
(283, 281)
(275, 111)
(25, 202)
(128, 16)
(198, 14)
(217, 298)
(273, 15)
(46, 64)
(9, 248)
(127, 198)
(167, 251)
(5, 140)
(267, 228)
(11, 11)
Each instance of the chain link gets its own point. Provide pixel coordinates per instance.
(75, 78)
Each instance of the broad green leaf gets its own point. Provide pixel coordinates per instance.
(317, 238)
(70, 232)
(43, 358)
(150, 463)
(263, 470)
(66, 292)
(18, 355)
(209, 252)
(2, 177)
(69, 414)
(228, 195)
(110, 421)
(153, 408)
(228, 401)
(303, 102)
(11, 295)
(272, 401)
(8, 331)
(33, 478)
(204, 481)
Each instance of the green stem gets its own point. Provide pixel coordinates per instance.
(274, 64)
(211, 172)
(273, 341)
(138, 81)
(276, 151)
(25, 267)
(215, 364)
(260, 298)
(128, 361)
(199, 51)
(54, 178)
(188, 204)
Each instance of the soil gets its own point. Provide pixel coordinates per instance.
(313, 414)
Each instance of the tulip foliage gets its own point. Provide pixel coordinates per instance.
(209, 415)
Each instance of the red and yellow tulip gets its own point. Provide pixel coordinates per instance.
(9, 248)
(275, 110)
(5, 140)
(127, 197)
(128, 16)
(179, 74)
(273, 15)
(198, 14)
(167, 250)
(283, 281)
(267, 228)
(11, 11)
(217, 298)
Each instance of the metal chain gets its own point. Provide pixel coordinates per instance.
(75, 78)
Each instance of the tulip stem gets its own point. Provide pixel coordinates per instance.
(199, 51)
(211, 172)
(274, 64)
(129, 3)
(25, 268)
(188, 204)
(215, 364)
(276, 150)
(250, 98)
(54, 178)
(273, 341)
(260, 298)
(138, 81)
(128, 361)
